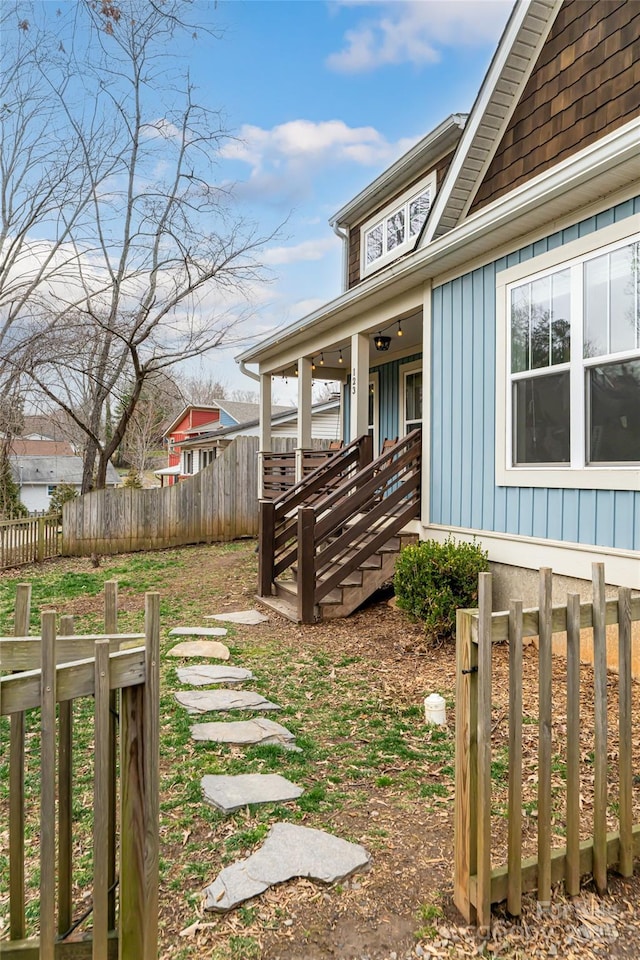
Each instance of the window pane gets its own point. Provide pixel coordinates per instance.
(418, 210)
(560, 317)
(395, 230)
(596, 297)
(614, 394)
(541, 419)
(622, 303)
(520, 328)
(413, 397)
(374, 243)
(540, 315)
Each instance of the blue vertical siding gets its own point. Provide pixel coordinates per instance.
(388, 399)
(463, 489)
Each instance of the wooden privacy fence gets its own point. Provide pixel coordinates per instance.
(219, 503)
(53, 672)
(29, 540)
(476, 884)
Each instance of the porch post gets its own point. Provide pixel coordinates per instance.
(265, 427)
(359, 384)
(425, 492)
(304, 411)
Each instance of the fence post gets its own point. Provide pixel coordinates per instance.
(111, 627)
(48, 787)
(306, 564)
(41, 551)
(466, 766)
(600, 730)
(65, 800)
(625, 733)
(483, 901)
(266, 546)
(16, 785)
(139, 774)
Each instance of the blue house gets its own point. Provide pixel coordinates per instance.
(489, 320)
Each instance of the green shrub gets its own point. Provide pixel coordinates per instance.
(432, 580)
(63, 493)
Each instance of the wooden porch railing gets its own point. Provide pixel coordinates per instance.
(348, 525)
(279, 468)
(278, 517)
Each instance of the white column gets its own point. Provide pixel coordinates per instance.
(304, 410)
(359, 387)
(425, 487)
(265, 426)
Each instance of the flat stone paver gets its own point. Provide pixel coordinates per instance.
(228, 793)
(249, 617)
(198, 632)
(288, 851)
(245, 732)
(200, 648)
(203, 701)
(203, 674)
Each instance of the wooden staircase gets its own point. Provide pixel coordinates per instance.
(332, 540)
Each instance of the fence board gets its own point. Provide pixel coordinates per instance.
(572, 880)
(483, 902)
(600, 731)
(514, 898)
(625, 764)
(48, 788)
(466, 765)
(23, 653)
(544, 740)
(101, 802)
(65, 799)
(16, 783)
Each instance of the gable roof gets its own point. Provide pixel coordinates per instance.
(25, 447)
(438, 142)
(510, 68)
(279, 415)
(238, 410)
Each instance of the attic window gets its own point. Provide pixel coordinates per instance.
(395, 228)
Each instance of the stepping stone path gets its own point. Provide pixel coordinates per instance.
(232, 793)
(205, 674)
(203, 701)
(289, 851)
(245, 732)
(200, 648)
(248, 617)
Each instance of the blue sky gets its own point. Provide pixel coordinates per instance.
(322, 95)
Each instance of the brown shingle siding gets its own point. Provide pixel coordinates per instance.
(585, 83)
(354, 232)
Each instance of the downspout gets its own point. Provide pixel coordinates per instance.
(344, 236)
(248, 373)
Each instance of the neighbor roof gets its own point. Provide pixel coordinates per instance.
(278, 415)
(54, 470)
(21, 447)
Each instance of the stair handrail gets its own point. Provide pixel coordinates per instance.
(387, 494)
(277, 517)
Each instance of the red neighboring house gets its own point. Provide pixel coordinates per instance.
(189, 419)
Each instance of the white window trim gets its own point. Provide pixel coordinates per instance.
(565, 476)
(428, 183)
(405, 370)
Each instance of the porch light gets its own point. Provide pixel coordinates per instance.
(400, 330)
(381, 342)
(322, 359)
(340, 358)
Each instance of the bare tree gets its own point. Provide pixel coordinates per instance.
(160, 401)
(124, 258)
(202, 389)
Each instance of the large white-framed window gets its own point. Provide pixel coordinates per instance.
(410, 396)
(394, 230)
(568, 365)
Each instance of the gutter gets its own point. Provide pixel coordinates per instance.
(248, 373)
(344, 236)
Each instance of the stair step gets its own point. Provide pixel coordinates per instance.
(281, 606)
(287, 591)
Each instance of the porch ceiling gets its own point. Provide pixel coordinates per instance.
(327, 364)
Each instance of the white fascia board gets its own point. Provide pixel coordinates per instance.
(499, 70)
(452, 249)
(444, 137)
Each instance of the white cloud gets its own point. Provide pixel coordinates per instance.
(283, 159)
(415, 31)
(307, 250)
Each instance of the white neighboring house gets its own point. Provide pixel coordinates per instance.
(39, 466)
(202, 449)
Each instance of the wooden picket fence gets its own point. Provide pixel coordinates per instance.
(29, 540)
(52, 672)
(476, 885)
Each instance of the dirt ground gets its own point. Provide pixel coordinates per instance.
(403, 906)
(352, 690)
